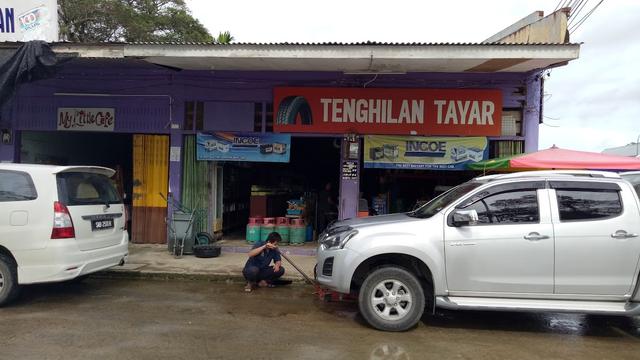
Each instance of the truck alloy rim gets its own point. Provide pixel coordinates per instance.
(1, 282)
(391, 299)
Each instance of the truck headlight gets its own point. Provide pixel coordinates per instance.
(336, 238)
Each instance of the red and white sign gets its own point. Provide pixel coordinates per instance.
(466, 112)
(26, 20)
(86, 119)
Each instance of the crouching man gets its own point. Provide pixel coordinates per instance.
(258, 269)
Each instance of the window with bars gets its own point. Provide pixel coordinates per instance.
(257, 118)
(502, 148)
(512, 122)
(193, 114)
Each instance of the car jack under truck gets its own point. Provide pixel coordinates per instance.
(322, 293)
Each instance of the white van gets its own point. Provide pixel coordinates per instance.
(57, 223)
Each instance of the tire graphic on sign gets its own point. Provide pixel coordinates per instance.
(291, 107)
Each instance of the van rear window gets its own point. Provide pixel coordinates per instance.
(81, 188)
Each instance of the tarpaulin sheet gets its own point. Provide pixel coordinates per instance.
(32, 61)
(556, 158)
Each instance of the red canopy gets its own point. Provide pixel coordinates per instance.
(556, 158)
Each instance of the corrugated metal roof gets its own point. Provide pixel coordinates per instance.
(363, 43)
(336, 56)
(346, 44)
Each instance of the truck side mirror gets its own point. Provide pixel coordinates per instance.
(464, 217)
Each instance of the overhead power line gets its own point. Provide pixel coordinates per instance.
(573, 28)
(576, 11)
(561, 4)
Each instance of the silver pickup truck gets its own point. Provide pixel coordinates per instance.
(530, 241)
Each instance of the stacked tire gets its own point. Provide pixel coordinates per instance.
(205, 246)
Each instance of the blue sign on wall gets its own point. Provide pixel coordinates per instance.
(226, 146)
(428, 153)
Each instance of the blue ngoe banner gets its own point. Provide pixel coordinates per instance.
(226, 146)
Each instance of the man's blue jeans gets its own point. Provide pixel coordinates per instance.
(255, 274)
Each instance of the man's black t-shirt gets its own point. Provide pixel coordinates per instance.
(263, 260)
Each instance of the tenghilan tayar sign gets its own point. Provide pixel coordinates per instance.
(461, 112)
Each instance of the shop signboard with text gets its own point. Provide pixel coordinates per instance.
(459, 112)
(226, 146)
(417, 152)
(86, 119)
(26, 20)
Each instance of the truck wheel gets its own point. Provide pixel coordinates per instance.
(391, 299)
(8, 280)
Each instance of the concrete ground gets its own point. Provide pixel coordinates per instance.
(179, 319)
(147, 260)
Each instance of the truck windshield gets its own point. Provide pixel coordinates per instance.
(443, 200)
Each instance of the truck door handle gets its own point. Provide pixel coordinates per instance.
(534, 236)
(621, 234)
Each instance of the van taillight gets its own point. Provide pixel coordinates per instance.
(62, 223)
(124, 208)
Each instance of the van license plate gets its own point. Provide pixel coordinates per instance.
(101, 224)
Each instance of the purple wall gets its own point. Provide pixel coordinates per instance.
(349, 188)
(150, 99)
(133, 113)
(145, 96)
(175, 167)
(228, 116)
(532, 112)
(8, 151)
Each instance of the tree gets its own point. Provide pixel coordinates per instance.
(224, 38)
(131, 21)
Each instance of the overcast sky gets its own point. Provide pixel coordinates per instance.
(591, 104)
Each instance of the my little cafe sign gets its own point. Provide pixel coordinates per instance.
(86, 119)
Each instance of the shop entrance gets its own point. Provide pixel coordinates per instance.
(297, 190)
(110, 150)
(116, 151)
(392, 191)
(82, 148)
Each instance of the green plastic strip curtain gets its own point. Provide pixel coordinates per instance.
(195, 188)
(491, 164)
(504, 152)
(506, 148)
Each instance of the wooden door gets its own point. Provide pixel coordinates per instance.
(150, 179)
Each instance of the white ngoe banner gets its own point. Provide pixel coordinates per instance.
(26, 20)
(86, 119)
